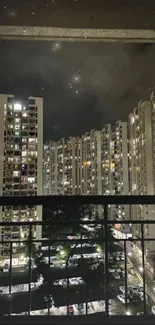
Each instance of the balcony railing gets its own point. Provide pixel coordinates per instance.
(83, 263)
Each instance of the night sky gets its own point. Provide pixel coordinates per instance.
(84, 85)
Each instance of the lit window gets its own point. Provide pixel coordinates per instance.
(32, 140)
(17, 120)
(24, 114)
(17, 133)
(16, 173)
(17, 127)
(24, 153)
(31, 179)
(17, 107)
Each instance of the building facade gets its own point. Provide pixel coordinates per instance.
(73, 165)
(115, 176)
(94, 164)
(21, 156)
(142, 165)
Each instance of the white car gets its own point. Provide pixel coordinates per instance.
(118, 270)
(111, 270)
(121, 298)
(63, 264)
(140, 295)
(123, 274)
(122, 258)
(140, 287)
(134, 289)
(116, 276)
(153, 310)
(80, 281)
(122, 289)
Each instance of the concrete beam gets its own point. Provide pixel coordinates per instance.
(68, 34)
(78, 19)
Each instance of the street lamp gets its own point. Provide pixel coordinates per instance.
(99, 249)
(128, 313)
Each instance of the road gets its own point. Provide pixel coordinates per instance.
(137, 264)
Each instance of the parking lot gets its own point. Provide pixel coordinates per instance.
(74, 291)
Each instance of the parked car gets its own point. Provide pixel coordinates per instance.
(116, 276)
(140, 295)
(111, 270)
(122, 289)
(63, 264)
(123, 274)
(133, 289)
(70, 310)
(121, 298)
(153, 310)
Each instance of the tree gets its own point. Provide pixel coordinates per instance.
(68, 213)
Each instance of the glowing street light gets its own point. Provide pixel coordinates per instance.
(99, 249)
(128, 313)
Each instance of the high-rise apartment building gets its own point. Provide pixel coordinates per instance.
(21, 156)
(115, 175)
(60, 167)
(90, 178)
(142, 165)
(93, 164)
(46, 170)
(73, 165)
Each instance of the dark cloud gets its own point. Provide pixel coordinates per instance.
(113, 78)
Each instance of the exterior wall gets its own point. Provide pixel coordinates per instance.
(141, 124)
(21, 156)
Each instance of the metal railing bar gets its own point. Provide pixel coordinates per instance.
(96, 240)
(10, 279)
(106, 261)
(72, 222)
(143, 265)
(30, 266)
(126, 283)
(53, 200)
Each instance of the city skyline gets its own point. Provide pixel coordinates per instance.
(84, 85)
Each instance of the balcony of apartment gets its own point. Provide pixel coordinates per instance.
(83, 269)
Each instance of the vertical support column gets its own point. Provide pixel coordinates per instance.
(10, 280)
(126, 281)
(143, 265)
(106, 259)
(30, 266)
(49, 263)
